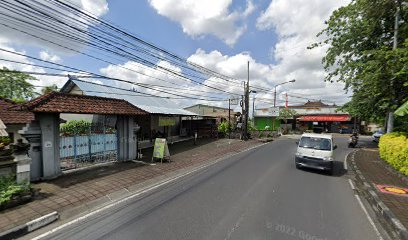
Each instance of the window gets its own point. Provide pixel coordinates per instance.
(315, 143)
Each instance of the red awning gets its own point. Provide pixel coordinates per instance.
(325, 118)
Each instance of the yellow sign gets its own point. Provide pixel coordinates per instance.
(167, 121)
(393, 190)
(160, 150)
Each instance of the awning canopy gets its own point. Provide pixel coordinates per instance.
(325, 118)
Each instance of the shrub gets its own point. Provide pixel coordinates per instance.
(9, 188)
(223, 127)
(394, 150)
(75, 127)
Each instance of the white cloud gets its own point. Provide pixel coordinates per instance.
(96, 7)
(11, 40)
(41, 79)
(309, 78)
(201, 17)
(296, 28)
(19, 29)
(46, 56)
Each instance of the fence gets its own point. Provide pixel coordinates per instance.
(88, 149)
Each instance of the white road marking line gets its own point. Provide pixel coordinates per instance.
(345, 162)
(369, 218)
(77, 220)
(351, 184)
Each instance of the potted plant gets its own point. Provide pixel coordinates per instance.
(5, 151)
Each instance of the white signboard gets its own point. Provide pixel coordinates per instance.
(274, 111)
(269, 112)
(234, 100)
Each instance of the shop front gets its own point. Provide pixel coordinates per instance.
(334, 123)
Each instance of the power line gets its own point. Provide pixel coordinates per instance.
(109, 50)
(170, 93)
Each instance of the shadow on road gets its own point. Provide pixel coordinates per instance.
(337, 172)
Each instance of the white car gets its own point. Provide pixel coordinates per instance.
(376, 136)
(316, 151)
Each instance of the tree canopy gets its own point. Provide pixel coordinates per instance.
(360, 53)
(49, 89)
(14, 85)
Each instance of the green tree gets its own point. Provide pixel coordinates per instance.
(285, 114)
(14, 85)
(49, 89)
(360, 53)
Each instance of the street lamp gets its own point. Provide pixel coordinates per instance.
(274, 100)
(253, 107)
(274, 95)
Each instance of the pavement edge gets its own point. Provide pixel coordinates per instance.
(381, 210)
(29, 226)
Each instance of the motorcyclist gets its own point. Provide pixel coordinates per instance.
(353, 139)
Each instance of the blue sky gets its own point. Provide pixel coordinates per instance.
(220, 34)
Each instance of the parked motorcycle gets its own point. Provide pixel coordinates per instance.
(353, 141)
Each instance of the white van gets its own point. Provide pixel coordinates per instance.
(315, 151)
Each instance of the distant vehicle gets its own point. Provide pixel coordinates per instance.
(353, 140)
(345, 130)
(376, 136)
(316, 151)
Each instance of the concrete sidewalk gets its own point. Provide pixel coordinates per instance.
(373, 175)
(78, 188)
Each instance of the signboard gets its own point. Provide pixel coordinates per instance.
(167, 121)
(274, 111)
(234, 101)
(268, 112)
(160, 150)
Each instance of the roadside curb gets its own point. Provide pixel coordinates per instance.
(29, 226)
(265, 140)
(381, 210)
(84, 211)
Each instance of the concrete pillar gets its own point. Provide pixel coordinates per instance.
(127, 141)
(32, 132)
(49, 123)
(23, 168)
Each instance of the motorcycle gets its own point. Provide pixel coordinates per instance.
(353, 141)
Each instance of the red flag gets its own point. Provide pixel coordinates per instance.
(286, 104)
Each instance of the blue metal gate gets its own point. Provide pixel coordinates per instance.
(97, 145)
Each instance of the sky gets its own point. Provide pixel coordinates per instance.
(222, 35)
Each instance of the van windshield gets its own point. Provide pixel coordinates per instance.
(315, 143)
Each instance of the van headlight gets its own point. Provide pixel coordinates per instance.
(327, 159)
(298, 154)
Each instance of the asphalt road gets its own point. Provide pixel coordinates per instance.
(258, 194)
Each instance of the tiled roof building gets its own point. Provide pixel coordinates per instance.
(11, 114)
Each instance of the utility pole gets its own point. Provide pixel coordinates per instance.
(243, 114)
(247, 106)
(274, 105)
(390, 122)
(253, 110)
(229, 118)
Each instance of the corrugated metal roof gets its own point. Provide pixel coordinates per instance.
(149, 104)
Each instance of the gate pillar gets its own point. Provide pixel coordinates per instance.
(127, 149)
(49, 124)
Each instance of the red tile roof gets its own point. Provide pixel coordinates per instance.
(10, 114)
(57, 102)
